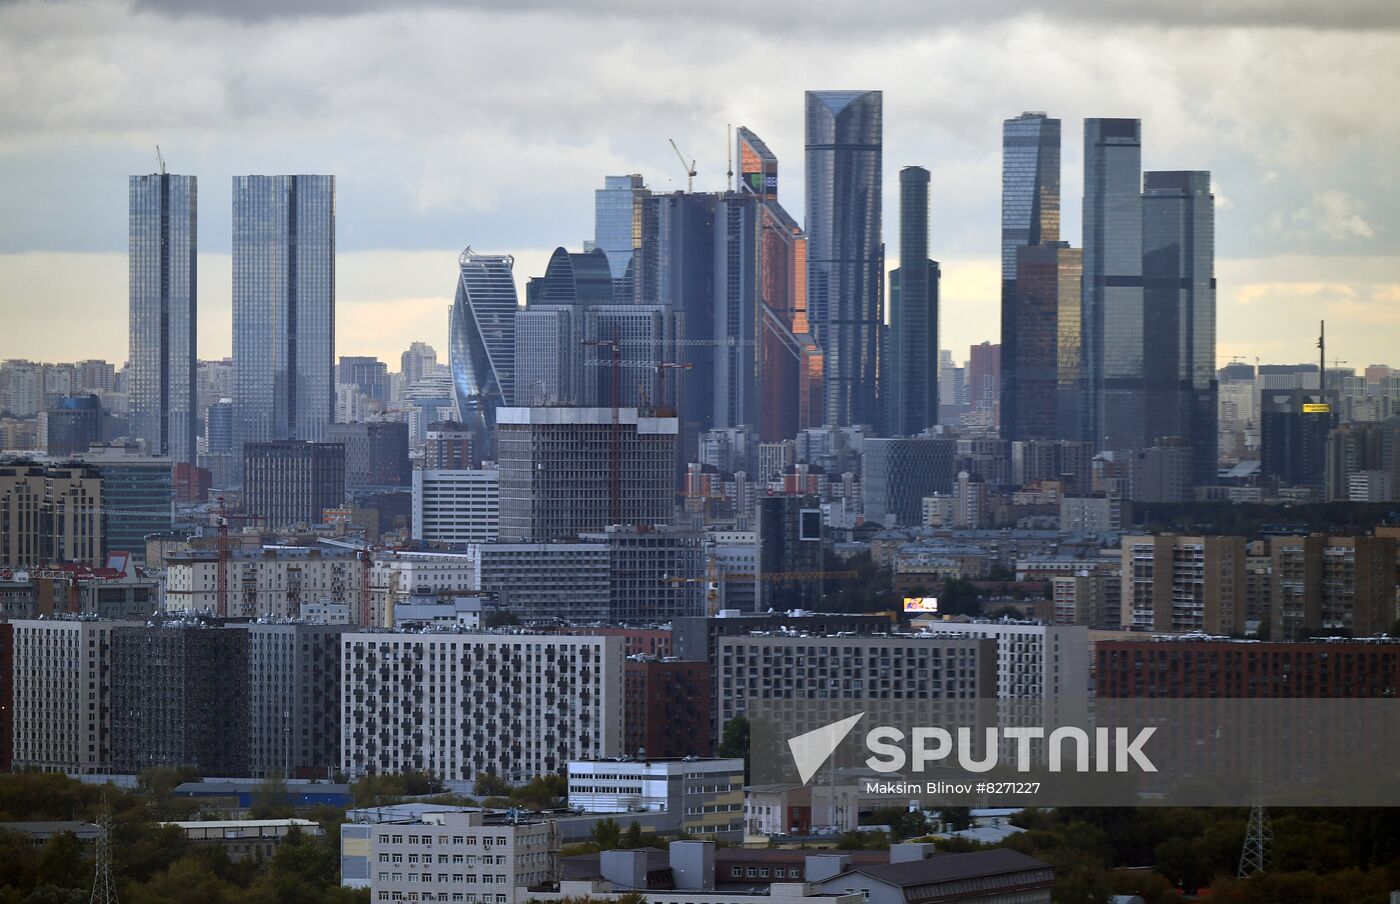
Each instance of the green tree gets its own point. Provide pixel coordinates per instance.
(489, 784)
(735, 742)
(632, 838)
(607, 834)
(270, 799)
(61, 861)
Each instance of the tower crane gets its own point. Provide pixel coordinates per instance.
(689, 167)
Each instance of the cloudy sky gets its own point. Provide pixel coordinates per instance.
(490, 124)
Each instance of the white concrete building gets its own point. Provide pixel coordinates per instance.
(62, 695)
(274, 580)
(1033, 660)
(448, 856)
(456, 506)
(706, 795)
(459, 705)
(423, 573)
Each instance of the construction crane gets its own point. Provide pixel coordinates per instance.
(689, 167)
(615, 488)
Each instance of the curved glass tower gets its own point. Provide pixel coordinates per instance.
(845, 263)
(483, 342)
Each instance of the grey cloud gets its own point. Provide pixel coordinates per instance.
(880, 16)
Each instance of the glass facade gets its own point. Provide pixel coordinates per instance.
(1178, 269)
(283, 307)
(845, 263)
(1114, 409)
(162, 237)
(912, 383)
(483, 342)
(1045, 316)
(617, 226)
(1030, 215)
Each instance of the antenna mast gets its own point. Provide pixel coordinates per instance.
(729, 143)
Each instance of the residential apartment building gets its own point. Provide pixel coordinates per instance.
(56, 729)
(50, 513)
(1221, 668)
(781, 667)
(273, 580)
(293, 692)
(1332, 585)
(1033, 660)
(179, 698)
(1175, 583)
(459, 705)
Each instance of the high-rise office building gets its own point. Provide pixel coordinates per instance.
(160, 376)
(1113, 410)
(700, 258)
(376, 453)
(912, 383)
(549, 330)
(283, 307)
(73, 424)
(292, 482)
(789, 363)
(567, 471)
(368, 373)
(1178, 275)
(218, 427)
(845, 260)
(617, 228)
(483, 342)
(1041, 370)
(1030, 216)
(1293, 429)
(636, 378)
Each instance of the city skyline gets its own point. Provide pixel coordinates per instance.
(1306, 220)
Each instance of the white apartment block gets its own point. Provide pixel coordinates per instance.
(786, 668)
(452, 506)
(448, 856)
(459, 705)
(62, 695)
(274, 580)
(407, 573)
(1033, 660)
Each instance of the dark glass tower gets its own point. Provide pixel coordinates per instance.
(1178, 270)
(162, 236)
(482, 335)
(1044, 316)
(1030, 215)
(1114, 409)
(845, 263)
(912, 381)
(283, 307)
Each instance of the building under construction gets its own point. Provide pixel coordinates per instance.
(180, 698)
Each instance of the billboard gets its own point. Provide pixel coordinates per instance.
(921, 604)
(1316, 408)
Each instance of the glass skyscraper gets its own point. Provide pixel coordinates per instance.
(617, 227)
(482, 353)
(283, 307)
(912, 381)
(1044, 314)
(162, 237)
(1030, 215)
(1114, 408)
(845, 264)
(1178, 270)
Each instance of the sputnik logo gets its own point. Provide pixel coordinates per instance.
(811, 750)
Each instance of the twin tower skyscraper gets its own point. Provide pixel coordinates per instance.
(283, 309)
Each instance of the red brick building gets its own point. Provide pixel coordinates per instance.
(1231, 669)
